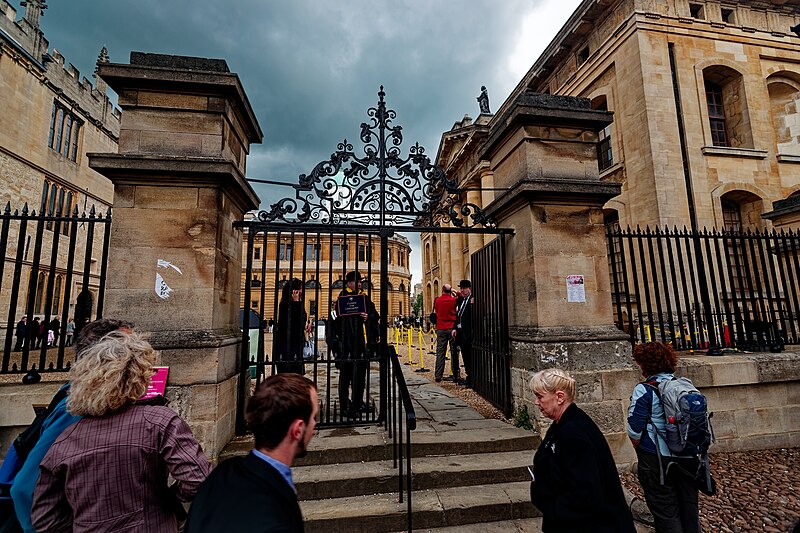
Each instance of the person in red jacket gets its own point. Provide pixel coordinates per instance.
(445, 308)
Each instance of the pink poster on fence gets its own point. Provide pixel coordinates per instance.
(158, 383)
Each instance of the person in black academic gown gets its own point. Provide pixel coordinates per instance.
(290, 334)
(576, 484)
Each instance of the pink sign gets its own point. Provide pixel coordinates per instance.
(158, 383)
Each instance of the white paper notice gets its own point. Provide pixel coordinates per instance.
(575, 289)
(162, 289)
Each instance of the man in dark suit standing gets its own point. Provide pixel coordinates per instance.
(256, 493)
(463, 327)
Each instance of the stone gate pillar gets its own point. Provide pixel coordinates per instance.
(175, 258)
(543, 150)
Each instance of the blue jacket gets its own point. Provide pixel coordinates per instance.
(25, 481)
(646, 407)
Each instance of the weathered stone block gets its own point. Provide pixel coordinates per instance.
(609, 416)
(148, 197)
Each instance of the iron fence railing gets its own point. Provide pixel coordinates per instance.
(53, 268)
(401, 421)
(710, 289)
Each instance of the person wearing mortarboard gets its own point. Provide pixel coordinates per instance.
(356, 335)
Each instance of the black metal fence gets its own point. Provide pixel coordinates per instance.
(53, 273)
(491, 366)
(708, 289)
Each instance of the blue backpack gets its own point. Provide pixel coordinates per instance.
(688, 422)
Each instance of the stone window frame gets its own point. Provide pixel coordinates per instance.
(612, 131)
(65, 132)
(57, 200)
(723, 72)
(791, 79)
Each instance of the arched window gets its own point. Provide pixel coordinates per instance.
(402, 288)
(366, 285)
(312, 284)
(726, 101)
(338, 284)
(428, 256)
(784, 103)
(434, 253)
(41, 281)
(57, 294)
(389, 286)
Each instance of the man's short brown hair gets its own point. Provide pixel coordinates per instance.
(94, 331)
(278, 401)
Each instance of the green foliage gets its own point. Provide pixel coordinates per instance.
(417, 305)
(522, 419)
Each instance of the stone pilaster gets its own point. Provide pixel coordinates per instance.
(175, 258)
(543, 151)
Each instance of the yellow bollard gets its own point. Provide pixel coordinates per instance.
(410, 339)
(421, 340)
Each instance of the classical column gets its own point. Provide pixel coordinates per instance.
(475, 240)
(175, 257)
(560, 311)
(444, 254)
(487, 194)
(456, 258)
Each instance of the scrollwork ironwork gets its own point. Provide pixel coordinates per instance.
(380, 188)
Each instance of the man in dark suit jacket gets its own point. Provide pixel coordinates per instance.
(463, 328)
(256, 493)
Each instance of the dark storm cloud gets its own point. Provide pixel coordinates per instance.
(311, 69)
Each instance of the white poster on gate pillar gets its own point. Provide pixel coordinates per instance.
(575, 289)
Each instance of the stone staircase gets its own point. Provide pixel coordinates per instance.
(469, 472)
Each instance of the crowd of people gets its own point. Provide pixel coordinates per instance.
(103, 459)
(41, 333)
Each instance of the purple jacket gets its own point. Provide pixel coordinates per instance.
(110, 473)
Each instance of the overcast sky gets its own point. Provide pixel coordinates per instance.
(311, 69)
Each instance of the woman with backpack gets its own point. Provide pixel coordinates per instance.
(667, 478)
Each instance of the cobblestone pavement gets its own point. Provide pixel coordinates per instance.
(756, 491)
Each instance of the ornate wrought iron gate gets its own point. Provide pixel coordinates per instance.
(348, 208)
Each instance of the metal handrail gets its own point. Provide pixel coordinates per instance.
(398, 390)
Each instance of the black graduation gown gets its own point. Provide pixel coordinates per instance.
(289, 336)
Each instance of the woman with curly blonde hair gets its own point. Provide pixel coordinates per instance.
(108, 471)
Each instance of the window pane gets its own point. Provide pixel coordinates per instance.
(67, 136)
(59, 128)
(76, 128)
(51, 138)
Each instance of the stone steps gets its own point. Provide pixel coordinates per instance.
(433, 472)
(451, 506)
(466, 470)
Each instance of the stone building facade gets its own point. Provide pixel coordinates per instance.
(322, 265)
(51, 118)
(736, 65)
